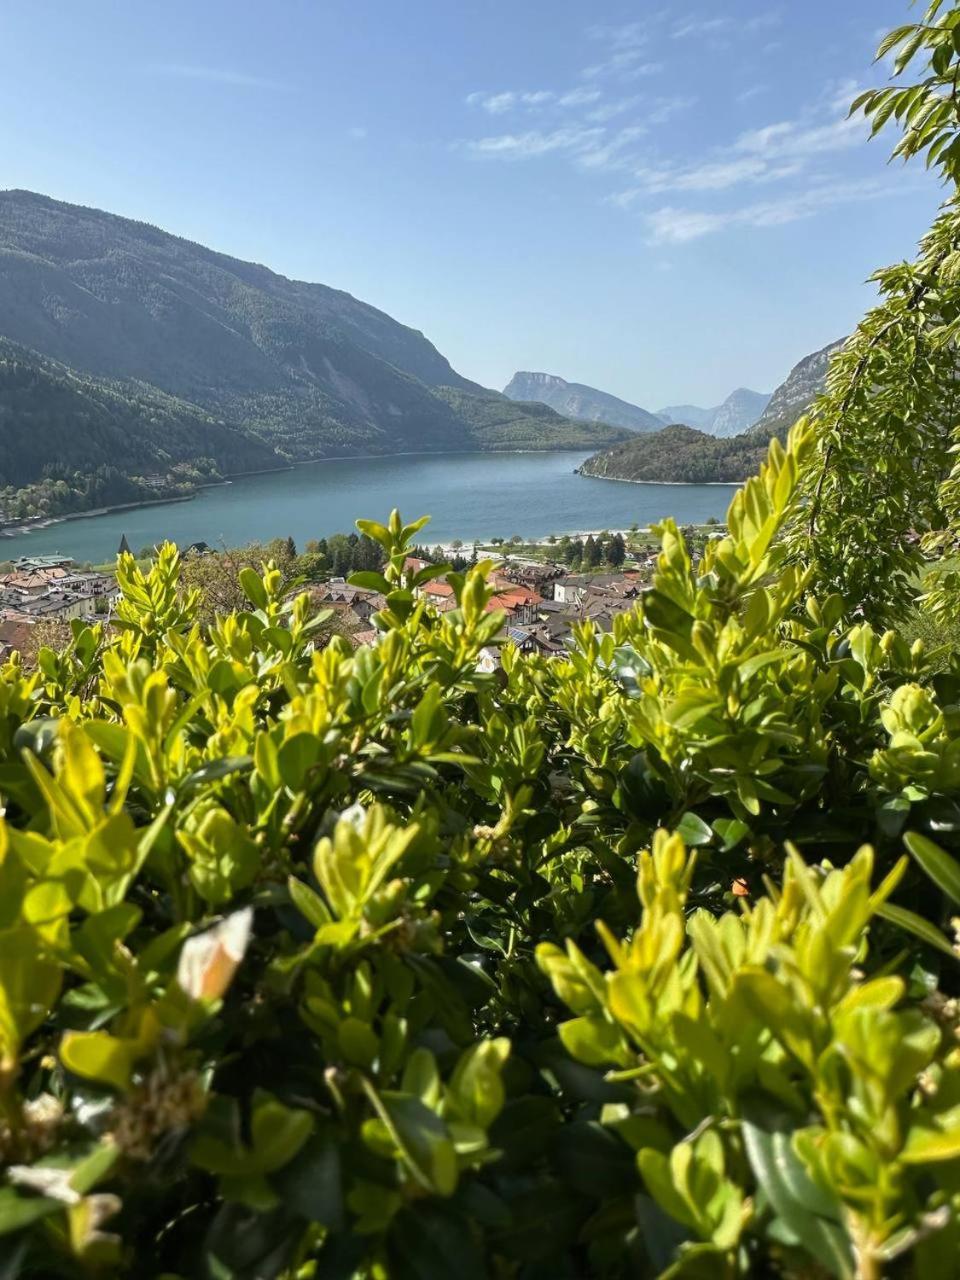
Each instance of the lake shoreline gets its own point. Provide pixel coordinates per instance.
(46, 522)
(471, 495)
(717, 484)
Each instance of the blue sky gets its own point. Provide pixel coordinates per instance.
(660, 200)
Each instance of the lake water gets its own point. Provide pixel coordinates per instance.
(469, 496)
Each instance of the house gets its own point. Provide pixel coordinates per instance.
(572, 589)
(536, 639)
(63, 605)
(14, 636)
(532, 573)
(532, 638)
(98, 585)
(360, 639)
(519, 604)
(34, 582)
(488, 660)
(54, 604)
(566, 589)
(341, 595)
(350, 620)
(438, 593)
(24, 564)
(602, 610)
(522, 639)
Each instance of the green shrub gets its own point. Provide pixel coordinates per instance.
(323, 962)
(291, 937)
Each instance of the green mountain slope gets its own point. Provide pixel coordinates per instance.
(312, 370)
(499, 423)
(680, 454)
(53, 419)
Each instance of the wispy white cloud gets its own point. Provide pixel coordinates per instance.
(680, 226)
(772, 153)
(627, 64)
(215, 75)
(626, 35)
(764, 21)
(837, 95)
(579, 97)
(591, 145)
(612, 108)
(537, 142)
(625, 53)
(358, 132)
(498, 104)
(716, 175)
(605, 127)
(664, 109)
(611, 152)
(790, 138)
(693, 25)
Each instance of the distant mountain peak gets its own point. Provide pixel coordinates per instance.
(684, 454)
(737, 413)
(576, 400)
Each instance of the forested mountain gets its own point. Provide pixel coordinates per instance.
(678, 454)
(71, 442)
(54, 418)
(311, 370)
(681, 453)
(576, 400)
(499, 423)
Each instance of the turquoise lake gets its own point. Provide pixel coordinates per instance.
(467, 495)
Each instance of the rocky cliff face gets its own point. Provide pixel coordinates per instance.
(797, 392)
(576, 400)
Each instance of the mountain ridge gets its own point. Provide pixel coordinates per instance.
(737, 413)
(682, 454)
(309, 371)
(579, 401)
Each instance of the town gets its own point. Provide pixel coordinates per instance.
(49, 589)
(542, 600)
(541, 603)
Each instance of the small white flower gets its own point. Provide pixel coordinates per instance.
(209, 960)
(54, 1183)
(356, 815)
